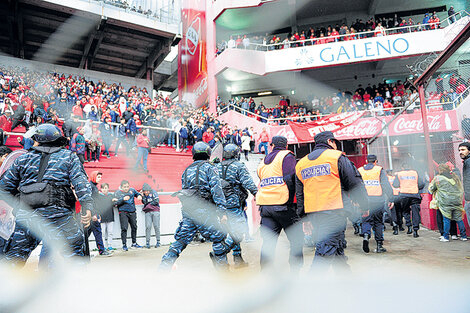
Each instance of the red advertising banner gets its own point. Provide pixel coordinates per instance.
(192, 63)
(362, 128)
(305, 132)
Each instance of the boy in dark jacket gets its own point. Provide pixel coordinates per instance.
(95, 226)
(105, 206)
(152, 214)
(124, 199)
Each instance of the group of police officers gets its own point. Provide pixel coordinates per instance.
(322, 189)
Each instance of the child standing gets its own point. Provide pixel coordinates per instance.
(106, 207)
(152, 214)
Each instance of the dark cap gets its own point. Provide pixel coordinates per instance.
(323, 137)
(279, 141)
(371, 158)
(146, 187)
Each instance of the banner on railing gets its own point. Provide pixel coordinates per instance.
(305, 132)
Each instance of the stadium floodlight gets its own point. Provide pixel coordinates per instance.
(265, 93)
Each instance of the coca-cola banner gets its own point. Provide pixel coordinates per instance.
(305, 132)
(192, 64)
(362, 128)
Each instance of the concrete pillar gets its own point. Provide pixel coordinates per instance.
(210, 56)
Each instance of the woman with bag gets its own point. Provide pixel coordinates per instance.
(448, 196)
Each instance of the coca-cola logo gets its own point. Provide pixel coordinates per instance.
(364, 128)
(404, 125)
(192, 36)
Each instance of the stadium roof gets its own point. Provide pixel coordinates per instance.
(45, 32)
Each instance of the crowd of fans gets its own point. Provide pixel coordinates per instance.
(360, 29)
(381, 99)
(135, 7)
(95, 116)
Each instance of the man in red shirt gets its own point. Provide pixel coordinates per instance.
(6, 123)
(263, 141)
(208, 135)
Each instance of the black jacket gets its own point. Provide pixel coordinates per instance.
(466, 178)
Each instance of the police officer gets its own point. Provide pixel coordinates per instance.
(236, 174)
(410, 183)
(396, 213)
(47, 211)
(379, 191)
(201, 188)
(277, 209)
(325, 178)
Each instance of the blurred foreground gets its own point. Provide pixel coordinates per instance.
(415, 275)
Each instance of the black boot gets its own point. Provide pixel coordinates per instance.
(365, 243)
(400, 228)
(356, 229)
(415, 234)
(380, 248)
(410, 230)
(239, 262)
(218, 264)
(395, 230)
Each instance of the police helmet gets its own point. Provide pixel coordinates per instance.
(231, 151)
(47, 133)
(201, 150)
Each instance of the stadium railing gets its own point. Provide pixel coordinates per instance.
(361, 35)
(168, 14)
(372, 112)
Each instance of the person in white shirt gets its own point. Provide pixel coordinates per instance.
(231, 43)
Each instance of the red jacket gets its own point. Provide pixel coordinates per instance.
(206, 137)
(5, 123)
(142, 141)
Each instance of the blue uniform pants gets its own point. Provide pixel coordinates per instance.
(236, 228)
(55, 225)
(209, 229)
(273, 220)
(330, 242)
(411, 211)
(373, 219)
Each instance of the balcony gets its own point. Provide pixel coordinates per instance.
(262, 59)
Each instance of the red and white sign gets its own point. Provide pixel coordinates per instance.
(362, 128)
(305, 132)
(192, 63)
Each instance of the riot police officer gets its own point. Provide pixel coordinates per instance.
(379, 192)
(325, 179)
(276, 200)
(201, 190)
(235, 181)
(410, 183)
(44, 178)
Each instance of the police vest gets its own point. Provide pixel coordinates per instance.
(391, 179)
(408, 181)
(272, 188)
(372, 180)
(322, 185)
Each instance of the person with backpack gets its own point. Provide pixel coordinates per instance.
(203, 209)
(43, 178)
(236, 180)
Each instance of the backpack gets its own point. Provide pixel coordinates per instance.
(190, 197)
(227, 187)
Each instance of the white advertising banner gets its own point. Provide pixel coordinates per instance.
(360, 50)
